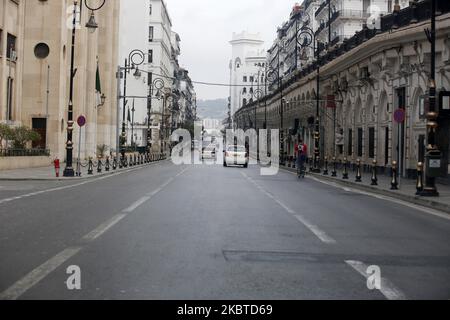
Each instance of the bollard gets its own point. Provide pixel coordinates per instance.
(419, 184)
(99, 165)
(78, 172)
(358, 171)
(107, 164)
(130, 163)
(90, 167)
(294, 164)
(345, 172)
(374, 173)
(394, 181)
(114, 166)
(310, 160)
(134, 160)
(325, 170)
(334, 172)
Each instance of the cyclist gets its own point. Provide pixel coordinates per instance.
(301, 150)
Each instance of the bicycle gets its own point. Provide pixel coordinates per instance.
(301, 172)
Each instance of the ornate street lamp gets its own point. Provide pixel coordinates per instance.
(306, 38)
(433, 153)
(135, 59)
(92, 25)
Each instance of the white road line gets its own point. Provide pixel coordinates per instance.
(382, 197)
(35, 276)
(101, 229)
(136, 204)
(316, 230)
(388, 289)
(313, 228)
(72, 185)
(60, 188)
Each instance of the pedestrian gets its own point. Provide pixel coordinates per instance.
(301, 151)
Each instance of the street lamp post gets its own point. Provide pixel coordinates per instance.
(307, 39)
(433, 152)
(91, 25)
(270, 76)
(135, 59)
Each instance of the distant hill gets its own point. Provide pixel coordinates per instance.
(212, 109)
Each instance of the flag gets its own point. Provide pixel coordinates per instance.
(98, 86)
(129, 115)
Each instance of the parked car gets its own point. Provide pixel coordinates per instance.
(236, 155)
(209, 152)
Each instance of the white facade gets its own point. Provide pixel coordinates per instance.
(146, 25)
(247, 63)
(348, 16)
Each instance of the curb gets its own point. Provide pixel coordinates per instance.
(392, 194)
(85, 177)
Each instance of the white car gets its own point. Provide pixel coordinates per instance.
(236, 155)
(209, 152)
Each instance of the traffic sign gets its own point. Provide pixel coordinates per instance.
(81, 121)
(399, 115)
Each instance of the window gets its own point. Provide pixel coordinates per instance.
(150, 56)
(150, 34)
(10, 45)
(245, 79)
(389, 6)
(244, 91)
(350, 142)
(371, 143)
(252, 79)
(360, 142)
(150, 9)
(9, 100)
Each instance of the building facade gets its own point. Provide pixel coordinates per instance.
(40, 33)
(161, 86)
(363, 82)
(247, 71)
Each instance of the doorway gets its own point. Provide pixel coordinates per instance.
(39, 125)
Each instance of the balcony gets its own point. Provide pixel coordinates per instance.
(321, 7)
(321, 28)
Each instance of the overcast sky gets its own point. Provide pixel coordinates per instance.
(206, 27)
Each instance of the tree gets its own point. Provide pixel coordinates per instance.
(21, 135)
(6, 133)
(101, 150)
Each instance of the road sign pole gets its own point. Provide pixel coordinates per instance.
(79, 154)
(81, 121)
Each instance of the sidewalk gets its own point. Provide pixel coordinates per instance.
(48, 173)
(406, 192)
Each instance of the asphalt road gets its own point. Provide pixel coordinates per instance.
(208, 232)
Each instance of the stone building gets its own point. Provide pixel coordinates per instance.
(363, 82)
(41, 73)
(246, 68)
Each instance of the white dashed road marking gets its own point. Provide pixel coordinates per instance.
(388, 289)
(322, 235)
(35, 276)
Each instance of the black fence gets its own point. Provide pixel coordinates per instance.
(24, 152)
